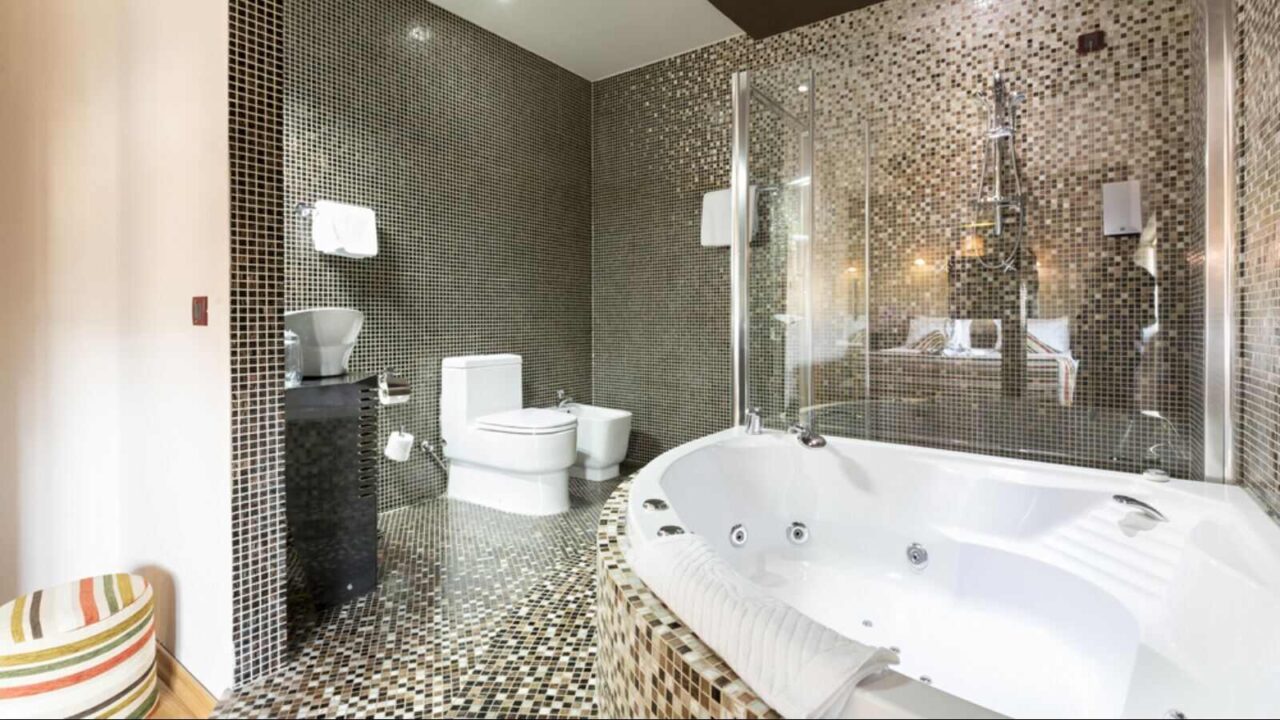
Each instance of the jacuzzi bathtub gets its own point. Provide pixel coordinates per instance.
(1041, 596)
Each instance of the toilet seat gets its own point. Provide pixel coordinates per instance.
(527, 421)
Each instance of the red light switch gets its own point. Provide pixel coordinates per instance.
(200, 310)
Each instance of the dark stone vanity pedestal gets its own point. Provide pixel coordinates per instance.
(331, 460)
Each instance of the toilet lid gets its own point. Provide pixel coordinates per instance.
(530, 421)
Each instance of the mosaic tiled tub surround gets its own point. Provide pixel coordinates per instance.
(650, 664)
(1032, 590)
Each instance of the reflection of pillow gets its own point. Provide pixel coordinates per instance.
(985, 335)
(961, 337)
(931, 344)
(1055, 333)
(955, 333)
(1036, 346)
(921, 326)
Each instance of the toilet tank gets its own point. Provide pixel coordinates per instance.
(473, 386)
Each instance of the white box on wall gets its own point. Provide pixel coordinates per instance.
(1122, 208)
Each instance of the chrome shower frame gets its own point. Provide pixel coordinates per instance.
(740, 247)
(1220, 267)
(740, 242)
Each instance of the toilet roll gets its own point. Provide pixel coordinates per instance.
(399, 446)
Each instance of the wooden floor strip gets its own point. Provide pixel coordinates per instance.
(181, 695)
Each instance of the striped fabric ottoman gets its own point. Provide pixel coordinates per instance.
(85, 649)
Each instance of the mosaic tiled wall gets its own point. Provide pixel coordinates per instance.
(257, 300)
(662, 138)
(1197, 93)
(1259, 288)
(476, 156)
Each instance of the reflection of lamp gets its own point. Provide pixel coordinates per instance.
(973, 239)
(852, 273)
(1147, 257)
(973, 245)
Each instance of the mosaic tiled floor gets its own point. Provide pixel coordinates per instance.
(477, 614)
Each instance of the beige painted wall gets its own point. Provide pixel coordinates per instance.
(114, 204)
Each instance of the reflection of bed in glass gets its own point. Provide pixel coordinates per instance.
(945, 358)
(906, 373)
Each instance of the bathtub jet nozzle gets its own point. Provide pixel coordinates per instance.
(918, 556)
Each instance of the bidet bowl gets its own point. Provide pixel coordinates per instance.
(327, 336)
(603, 434)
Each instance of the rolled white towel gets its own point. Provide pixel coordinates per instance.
(801, 668)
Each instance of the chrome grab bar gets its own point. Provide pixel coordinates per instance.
(1141, 507)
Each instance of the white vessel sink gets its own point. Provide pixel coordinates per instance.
(603, 434)
(327, 336)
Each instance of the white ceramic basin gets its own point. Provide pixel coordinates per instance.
(603, 434)
(327, 337)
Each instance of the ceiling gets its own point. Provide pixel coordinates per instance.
(762, 18)
(599, 38)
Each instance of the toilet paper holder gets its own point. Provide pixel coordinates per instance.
(393, 389)
(399, 446)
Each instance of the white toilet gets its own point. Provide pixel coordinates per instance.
(502, 455)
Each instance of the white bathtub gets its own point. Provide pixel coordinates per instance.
(1042, 596)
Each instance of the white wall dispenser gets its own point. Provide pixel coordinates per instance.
(1122, 208)
(340, 229)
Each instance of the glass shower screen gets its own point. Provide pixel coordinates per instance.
(774, 236)
(923, 257)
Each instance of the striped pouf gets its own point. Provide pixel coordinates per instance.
(85, 649)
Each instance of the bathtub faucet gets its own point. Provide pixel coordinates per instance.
(562, 399)
(1141, 507)
(755, 426)
(807, 436)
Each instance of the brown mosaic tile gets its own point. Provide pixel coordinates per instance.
(509, 264)
(476, 156)
(477, 613)
(1259, 288)
(658, 303)
(903, 74)
(257, 361)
